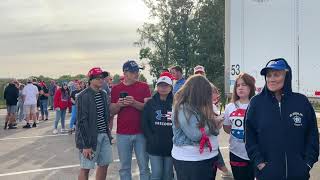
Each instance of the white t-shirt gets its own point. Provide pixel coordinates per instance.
(234, 117)
(30, 92)
(192, 153)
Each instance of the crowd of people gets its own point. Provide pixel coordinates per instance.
(272, 134)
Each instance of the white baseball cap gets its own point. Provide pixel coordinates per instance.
(198, 69)
(165, 79)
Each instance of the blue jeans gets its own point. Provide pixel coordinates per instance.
(161, 167)
(126, 144)
(61, 114)
(44, 107)
(73, 116)
(20, 112)
(51, 102)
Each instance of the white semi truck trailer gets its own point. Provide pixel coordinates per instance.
(259, 30)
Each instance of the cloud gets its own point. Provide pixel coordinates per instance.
(58, 37)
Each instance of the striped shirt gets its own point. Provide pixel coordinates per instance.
(101, 123)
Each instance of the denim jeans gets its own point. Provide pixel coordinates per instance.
(73, 116)
(161, 167)
(126, 144)
(61, 114)
(51, 101)
(44, 107)
(20, 112)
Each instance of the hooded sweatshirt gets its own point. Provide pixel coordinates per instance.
(283, 134)
(156, 127)
(62, 100)
(11, 94)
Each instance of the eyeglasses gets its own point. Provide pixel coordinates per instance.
(163, 85)
(99, 78)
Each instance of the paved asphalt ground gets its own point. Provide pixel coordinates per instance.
(37, 154)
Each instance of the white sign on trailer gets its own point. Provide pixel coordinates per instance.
(260, 30)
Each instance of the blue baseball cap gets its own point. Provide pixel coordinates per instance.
(131, 66)
(276, 64)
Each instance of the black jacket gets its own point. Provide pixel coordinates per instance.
(87, 130)
(283, 134)
(11, 94)
(156, 127)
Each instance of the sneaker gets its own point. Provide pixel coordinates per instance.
(46, 119)
(71, 130)
(15, 124)
(227, 175)
(55, 131)
(64, 130)
(27, 126)
(34, 125)
(5, 125)
(12, 126)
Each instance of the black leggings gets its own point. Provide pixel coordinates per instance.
(241, 169)
(195, 170)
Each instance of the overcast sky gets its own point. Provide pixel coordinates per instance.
(57, 37)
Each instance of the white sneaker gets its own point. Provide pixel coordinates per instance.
(227, 175)
(55, 131)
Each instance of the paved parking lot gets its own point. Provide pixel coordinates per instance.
(37, 154)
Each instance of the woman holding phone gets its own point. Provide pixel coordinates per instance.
(244, 90)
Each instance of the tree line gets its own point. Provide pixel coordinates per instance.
(185, 33)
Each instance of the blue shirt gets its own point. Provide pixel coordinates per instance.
(178, 85)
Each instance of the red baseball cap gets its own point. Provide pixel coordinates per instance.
(96, 72)
(165, 73)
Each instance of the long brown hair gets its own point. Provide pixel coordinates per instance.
(249, 81)
(196, 97)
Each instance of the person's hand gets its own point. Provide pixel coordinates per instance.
(121, 102)
(87, 153)
(261, 166)
(219, 120)
(216, 100)
(145, 100)
(129, 100)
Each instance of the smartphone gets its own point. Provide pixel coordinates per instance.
(123, 94)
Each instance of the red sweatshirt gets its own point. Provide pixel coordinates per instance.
(62, 101)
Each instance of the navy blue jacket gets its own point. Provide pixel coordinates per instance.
(11, 94)
(157, 128)
(282, 134)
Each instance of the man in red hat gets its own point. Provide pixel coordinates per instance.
(93, 134)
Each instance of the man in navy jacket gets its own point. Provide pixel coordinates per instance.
(281, 131)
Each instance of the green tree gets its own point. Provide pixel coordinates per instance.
(156, 38)
(116, 79)
(210, 47)
(185, 33)
(142, 78)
